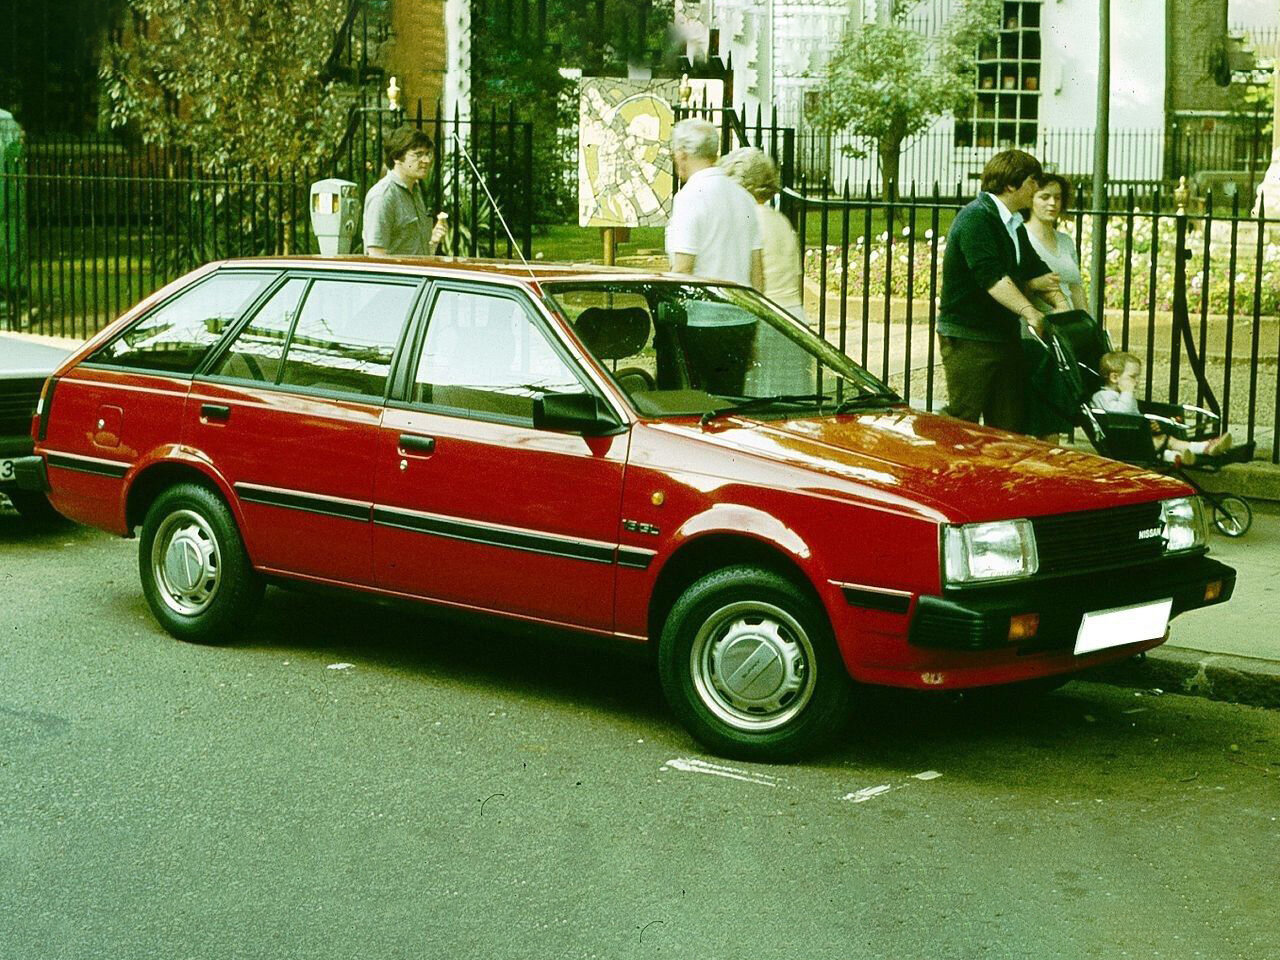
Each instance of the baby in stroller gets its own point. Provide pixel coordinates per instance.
(1103, 382)
(1119, 372)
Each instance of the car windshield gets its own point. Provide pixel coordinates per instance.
(700, 349)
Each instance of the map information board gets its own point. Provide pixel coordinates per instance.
(624, 151)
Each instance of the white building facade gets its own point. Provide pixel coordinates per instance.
(1036, 84)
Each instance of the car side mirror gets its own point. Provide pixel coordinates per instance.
(573, 412)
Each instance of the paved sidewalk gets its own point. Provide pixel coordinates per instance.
(1228, 652)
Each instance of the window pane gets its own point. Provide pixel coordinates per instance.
(255, 354)
(484, 354)
(346, 335)
(176, 336)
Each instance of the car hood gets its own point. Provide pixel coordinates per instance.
(966, 472)
(22, 359)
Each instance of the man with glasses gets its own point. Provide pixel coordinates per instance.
(396, 221)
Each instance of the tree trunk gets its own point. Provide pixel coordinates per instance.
(890, 169)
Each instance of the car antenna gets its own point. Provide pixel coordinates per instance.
(496, 209)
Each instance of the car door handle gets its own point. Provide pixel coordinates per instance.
(215, 411)
(417, 444)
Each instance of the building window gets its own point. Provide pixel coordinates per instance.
(1006, 109)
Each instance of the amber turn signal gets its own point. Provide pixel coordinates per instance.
(1023, 626)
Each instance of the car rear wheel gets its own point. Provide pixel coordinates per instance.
(195, 572)
(748, 662)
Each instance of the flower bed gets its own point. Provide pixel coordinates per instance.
(894, 260)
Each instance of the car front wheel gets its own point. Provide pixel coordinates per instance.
(195, 572)
(750, 667)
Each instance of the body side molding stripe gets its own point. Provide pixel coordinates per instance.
(875, 598)
(103, 468)
(590, 551)
(311, 503)
(635, 559)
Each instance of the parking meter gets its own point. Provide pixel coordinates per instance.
(335, 215)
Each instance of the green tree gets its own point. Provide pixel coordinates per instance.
(518, 50)
(888, 82)
(237, 81)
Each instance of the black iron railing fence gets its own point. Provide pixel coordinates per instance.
(873, 272)
(90, 233)
(1230, 158)
(88, 241)
(738, 130)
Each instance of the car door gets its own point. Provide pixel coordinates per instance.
(289, 411)
(476, 507)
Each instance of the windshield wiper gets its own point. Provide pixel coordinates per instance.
(880, 398)
(754, 403)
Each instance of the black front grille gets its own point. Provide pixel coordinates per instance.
(1074, 542)
(18, 399)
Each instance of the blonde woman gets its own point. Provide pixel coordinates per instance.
(777, 367)
(752, 168)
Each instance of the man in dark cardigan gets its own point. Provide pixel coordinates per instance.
(988, 265)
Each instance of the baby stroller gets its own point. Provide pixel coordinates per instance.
(1075, 344)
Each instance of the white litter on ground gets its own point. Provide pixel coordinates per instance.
(928, 775)
(341, 666)
(694, 765)
(866, 793)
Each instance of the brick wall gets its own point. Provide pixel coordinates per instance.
(416, 54)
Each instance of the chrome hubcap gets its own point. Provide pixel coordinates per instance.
(753, 666)
(186, 563)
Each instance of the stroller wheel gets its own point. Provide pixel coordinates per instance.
(1232, 515)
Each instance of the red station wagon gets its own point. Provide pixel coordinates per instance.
(653, 458)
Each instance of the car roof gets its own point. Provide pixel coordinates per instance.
(531, 274)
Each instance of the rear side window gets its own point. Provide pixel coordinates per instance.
(256, 352)
(174, 337)
(344, 336)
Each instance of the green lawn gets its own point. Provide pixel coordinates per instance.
(574, 244)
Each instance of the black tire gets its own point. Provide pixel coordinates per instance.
(798, 694)
(33, 506)
(195, 572)
(1232, 515)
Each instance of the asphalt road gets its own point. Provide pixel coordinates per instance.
(356, 781)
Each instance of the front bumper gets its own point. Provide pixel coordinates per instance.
(978, 618)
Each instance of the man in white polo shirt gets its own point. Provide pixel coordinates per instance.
(713, 231)
(714, 234)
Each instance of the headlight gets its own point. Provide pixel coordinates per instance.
(1184, 527)
(977, 552)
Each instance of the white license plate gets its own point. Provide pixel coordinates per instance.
(1120, 625)
(6, 469)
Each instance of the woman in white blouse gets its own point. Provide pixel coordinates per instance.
(1049, 399)
(757, 174)
(1055, 247)
(776, 366)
